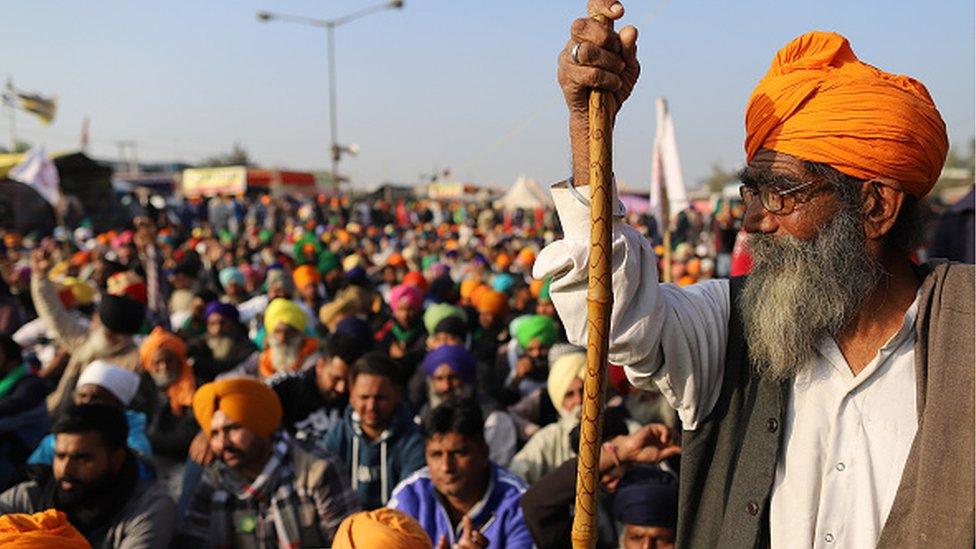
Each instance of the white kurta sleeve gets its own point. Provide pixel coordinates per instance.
(652, 325)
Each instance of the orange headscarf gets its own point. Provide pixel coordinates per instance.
(492, 301)
(244, 400)
(386, 528)
(181, 391)
(819, 103)
(468, 286)
(48, 529)
(305, 275)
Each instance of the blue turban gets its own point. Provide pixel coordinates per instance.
(231, 274)
(357, 329)
(225, 310)
(647, 496)
(503, 282)
(457, 358)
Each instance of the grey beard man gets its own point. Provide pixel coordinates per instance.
(800, 292)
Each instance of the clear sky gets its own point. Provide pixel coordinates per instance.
(465, 84)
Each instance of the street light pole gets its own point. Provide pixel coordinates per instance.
(333, 121)
(330, 25)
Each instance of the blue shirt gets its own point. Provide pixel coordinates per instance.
(417, 497)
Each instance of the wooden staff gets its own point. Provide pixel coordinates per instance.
(599, 303)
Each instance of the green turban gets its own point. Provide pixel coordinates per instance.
(328, 261)
(438, 312)
(535, 326)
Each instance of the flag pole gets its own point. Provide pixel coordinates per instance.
(666, 233)
(599, 302)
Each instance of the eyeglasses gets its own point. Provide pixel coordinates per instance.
(774, 200)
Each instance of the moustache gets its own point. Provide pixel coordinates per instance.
(231, 450)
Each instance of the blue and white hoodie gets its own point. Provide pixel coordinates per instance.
(417, 497)
(376, 466)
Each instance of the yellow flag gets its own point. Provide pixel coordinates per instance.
(43, 107)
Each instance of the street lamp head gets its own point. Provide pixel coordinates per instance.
(395, 4)
(264, 16)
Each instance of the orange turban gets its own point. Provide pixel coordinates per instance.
(244, 400)
(535, 287)
(305, 275)
(477, 292)
(468, 286)
(819, 103)
(386, 528)
(48, 528)
(416, 278)
(181, 391)
(492, 301)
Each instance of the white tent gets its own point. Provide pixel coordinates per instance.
(525, 194)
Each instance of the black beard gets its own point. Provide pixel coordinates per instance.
(93, 504)
(800, 292)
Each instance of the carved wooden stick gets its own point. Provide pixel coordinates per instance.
(599, 303)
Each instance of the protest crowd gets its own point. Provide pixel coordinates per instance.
(257, 371)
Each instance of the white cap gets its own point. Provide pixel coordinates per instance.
(120, 382)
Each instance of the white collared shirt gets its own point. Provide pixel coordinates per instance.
(846, 437)
(845, 443)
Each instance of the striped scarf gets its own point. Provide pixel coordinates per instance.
(283, 529)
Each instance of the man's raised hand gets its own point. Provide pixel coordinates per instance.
(604, 59)
(595, 57)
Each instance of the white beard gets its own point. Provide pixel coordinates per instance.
(284, 356)
(800, 292)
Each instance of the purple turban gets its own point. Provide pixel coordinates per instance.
(225, 310)
(457, 358)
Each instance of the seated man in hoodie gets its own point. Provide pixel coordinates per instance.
(262, 490)
(94, 480)
(461, 497)
(104, 383)
(23, 415)
(377, 438)
(315, 399)
(549, 446)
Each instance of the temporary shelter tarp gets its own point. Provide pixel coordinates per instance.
(525, 194)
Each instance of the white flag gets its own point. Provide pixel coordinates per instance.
(37, 171)
(668, 194)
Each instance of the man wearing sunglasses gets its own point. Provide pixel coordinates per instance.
(827, 398)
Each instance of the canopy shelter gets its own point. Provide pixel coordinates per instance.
(525, 194)
(85, 183)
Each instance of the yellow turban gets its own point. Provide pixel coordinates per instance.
(77, 291)
(287, 311)
(819, 103)
(243, 400)
(305, 275)
(562, 372)
(48, 529)
(384, 528)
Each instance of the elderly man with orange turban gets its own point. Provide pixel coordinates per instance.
(262, 490)
(163, 356)
(827, 397)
